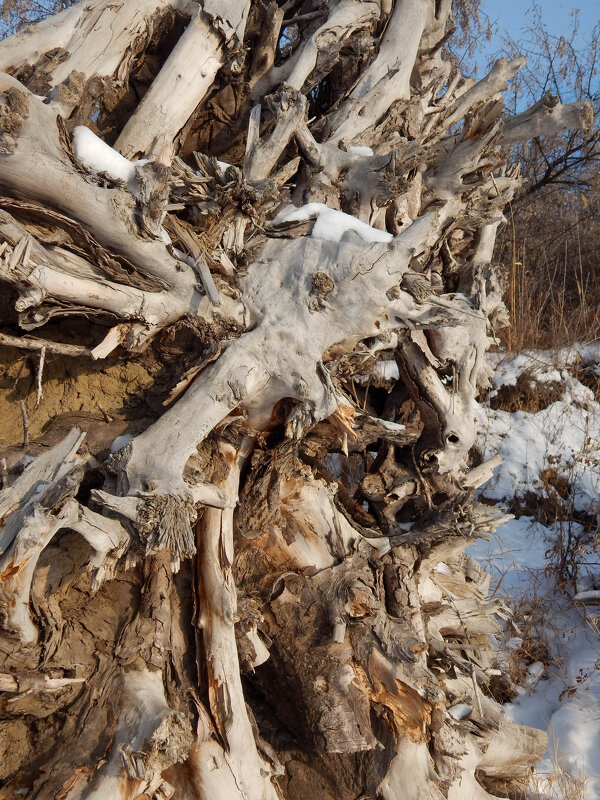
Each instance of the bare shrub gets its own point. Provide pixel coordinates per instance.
(16, 14)
(549, 245)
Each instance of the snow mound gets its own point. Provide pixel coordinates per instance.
(330, 224)
(97, 156)
(544, 366)
(563, 699)
(561, 441)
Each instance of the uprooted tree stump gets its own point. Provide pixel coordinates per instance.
(263, 593)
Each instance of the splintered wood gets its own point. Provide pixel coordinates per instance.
(264, 594)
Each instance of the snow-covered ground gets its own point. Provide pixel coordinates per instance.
(564, 437)
(557, 446)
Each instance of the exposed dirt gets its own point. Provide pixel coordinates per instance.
(73, 392)
(527, 395)
(590, 378)
(14, 746)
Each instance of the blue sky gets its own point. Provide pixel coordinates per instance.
(511, 15)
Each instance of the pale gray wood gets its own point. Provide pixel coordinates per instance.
(548, 116)
(182, 83)
(403, 615)
(219, 605)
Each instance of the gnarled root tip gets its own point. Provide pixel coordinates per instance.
(165, 522)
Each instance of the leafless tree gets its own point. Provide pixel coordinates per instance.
(15, 14)
(549, 244)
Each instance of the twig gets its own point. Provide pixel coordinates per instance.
(111, 341)
(18, 374)
(422, 481)
(40, 372)
(207, 281)
(304, 17)
(27, 343)
(107, 418)
(25, 425)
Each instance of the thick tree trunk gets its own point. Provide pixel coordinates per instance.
(264, 592)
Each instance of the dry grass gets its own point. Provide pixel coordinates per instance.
(530, 623)
(563, 783)
(549, 252)
(527, 394)
(543, 314)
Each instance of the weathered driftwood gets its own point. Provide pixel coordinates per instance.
(184, 80)
(218, 607)
(545, 117)
(326, 633)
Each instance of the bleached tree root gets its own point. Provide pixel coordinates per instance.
(336, 286)
(361, 650)
(218, 608)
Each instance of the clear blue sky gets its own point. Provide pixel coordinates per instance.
(509, 16)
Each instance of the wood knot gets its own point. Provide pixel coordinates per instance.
(152, 180)
(322, 285)
(418, 286)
